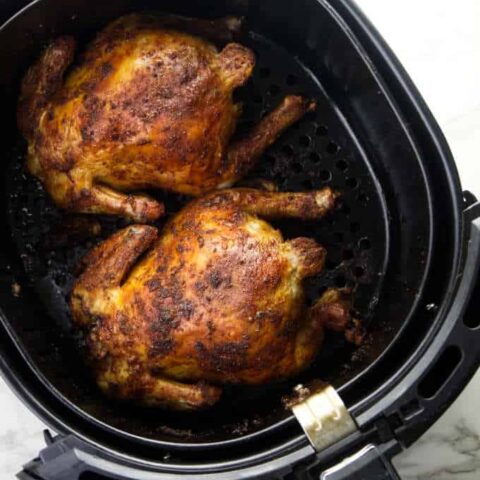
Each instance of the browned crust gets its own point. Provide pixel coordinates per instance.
(270, 204)
(107, 264)
(334, 309)
(41, 81)
(237, 64)
(311, 256)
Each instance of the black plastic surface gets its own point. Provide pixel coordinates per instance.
(68, 459)
(375, 109)
(318, 151)
(367, 464)
(415, 410)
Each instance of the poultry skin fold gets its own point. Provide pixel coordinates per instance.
(216, 299)
(146, 106)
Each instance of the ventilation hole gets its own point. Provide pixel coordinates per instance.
(440, 372)
(358, 272)
(315, 157)
(291, 80)
(321, 290)
(246, 110)
(354, 227)
(340, 281)
(330, 264)
(472, 315)
(351, 183)
(347, 254)
(264, 72)
(332, 148)
(308, 184)
(325, 175)
(270, 159)
(338, 237)
(310, 116)
(257, 98)
(274, 90)
(363, 199)
(288, 150)
(247, 125)
(342, 165)
(280, 179)
(297, 167)
(304, 140)
(321, 130)
(364, 243)
(345, 209)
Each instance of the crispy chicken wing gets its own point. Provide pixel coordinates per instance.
(147, 106)
(217, 298)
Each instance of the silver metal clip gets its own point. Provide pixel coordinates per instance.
(324, 417)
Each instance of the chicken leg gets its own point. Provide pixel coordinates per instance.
(41, 81)
(244, 154)
(330, 311)
(270, 204)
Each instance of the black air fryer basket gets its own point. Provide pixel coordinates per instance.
(404, 238)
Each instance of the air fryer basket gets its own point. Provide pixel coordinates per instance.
(397, 238)
(318, 151)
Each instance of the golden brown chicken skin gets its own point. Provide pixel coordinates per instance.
(147, 106)
(216, 299)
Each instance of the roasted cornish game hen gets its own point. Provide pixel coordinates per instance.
(215, 299)
(147, 106)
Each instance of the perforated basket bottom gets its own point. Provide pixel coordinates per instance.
(317, 152)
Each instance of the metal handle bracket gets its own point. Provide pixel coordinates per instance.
(324, 417)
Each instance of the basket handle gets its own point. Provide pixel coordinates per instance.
(367, 464)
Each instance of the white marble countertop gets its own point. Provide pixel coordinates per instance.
(438, 42)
